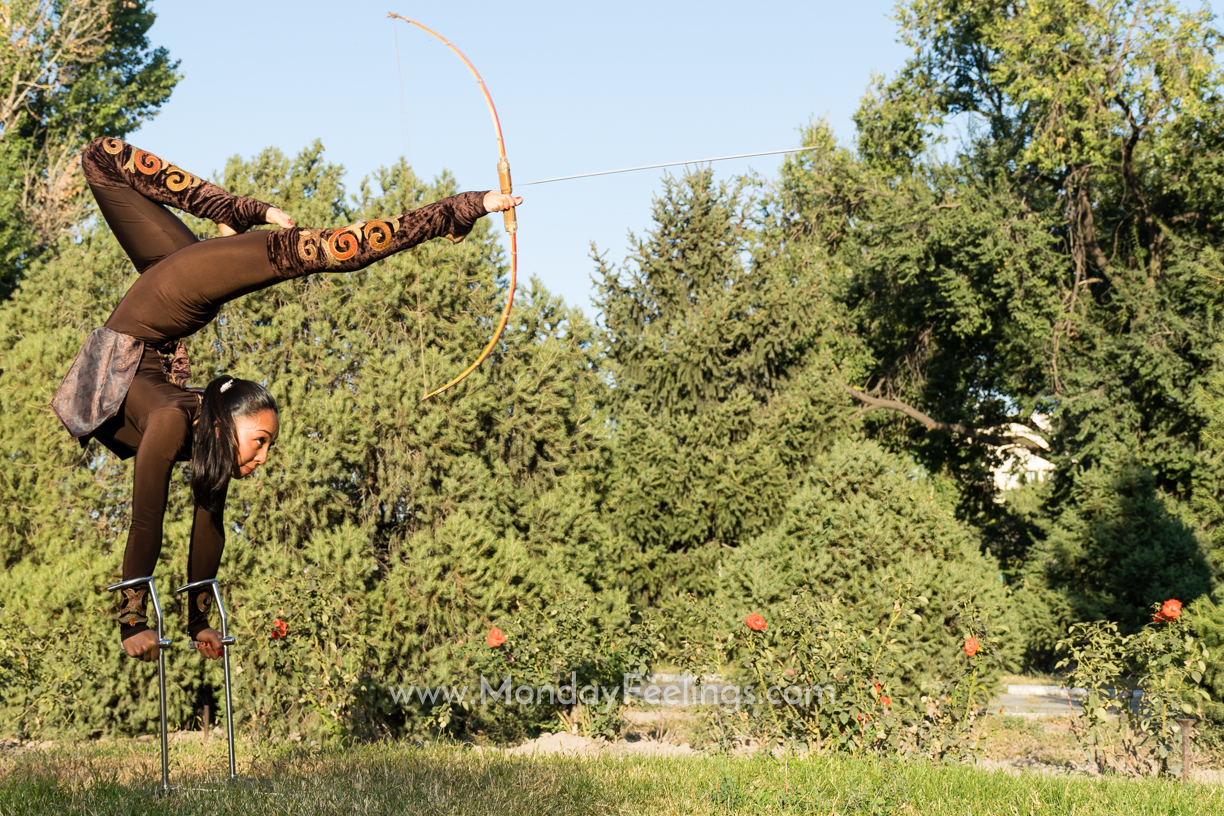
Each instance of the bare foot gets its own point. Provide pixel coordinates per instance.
(277, 216)
(498, 202)
(142, 645)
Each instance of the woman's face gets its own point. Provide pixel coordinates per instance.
(256, 434)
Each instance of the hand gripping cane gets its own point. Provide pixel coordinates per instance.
(162, 645)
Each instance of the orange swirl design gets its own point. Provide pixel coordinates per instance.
(343, 243)
(378, 233)
(146, 162)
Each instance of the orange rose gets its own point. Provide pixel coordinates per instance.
(279, 629)
(885, 700)
(496, 637)
(971, 646)
(755, 622)
(1171, 609)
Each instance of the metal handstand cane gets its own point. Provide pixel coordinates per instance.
(226, 642)
(162, 645)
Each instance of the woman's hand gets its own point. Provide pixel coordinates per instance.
(142, 645)
(274, 216)
(209, 643)
(496, 202)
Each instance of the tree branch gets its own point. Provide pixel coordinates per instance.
(931, 424)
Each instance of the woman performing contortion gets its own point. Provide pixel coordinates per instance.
(127, 386)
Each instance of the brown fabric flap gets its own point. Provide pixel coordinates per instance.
(95, 386)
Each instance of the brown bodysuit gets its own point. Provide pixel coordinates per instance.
(183, 283)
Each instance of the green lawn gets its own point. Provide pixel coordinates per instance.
(396, 779)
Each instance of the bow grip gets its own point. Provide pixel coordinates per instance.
(503, 176)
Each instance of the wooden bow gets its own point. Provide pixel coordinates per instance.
(503, 175)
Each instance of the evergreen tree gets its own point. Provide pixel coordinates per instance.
(863, 525)
(708, 334)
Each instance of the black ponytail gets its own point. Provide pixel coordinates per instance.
(214, 449)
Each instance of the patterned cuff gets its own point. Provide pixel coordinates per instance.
(200, 603)
(132, 617)
(249, 212)
(468, 209)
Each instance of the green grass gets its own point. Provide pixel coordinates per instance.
(395, 779)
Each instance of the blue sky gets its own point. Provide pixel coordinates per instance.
(579, 87)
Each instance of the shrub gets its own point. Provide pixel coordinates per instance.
(1205, 618)
(867, 527)
(812, 676)
(1163, 663)
(40, 688)
(566, 647)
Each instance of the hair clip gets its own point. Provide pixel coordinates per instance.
(227, 384)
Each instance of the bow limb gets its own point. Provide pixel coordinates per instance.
(511, 222)
(501, 326)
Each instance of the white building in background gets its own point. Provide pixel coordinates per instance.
(1020, 464)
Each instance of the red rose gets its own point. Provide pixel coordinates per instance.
(279, 629)
(971, 646)
(496, 637)
(885, 700)
(1170, 610)
(878, 687)
(755, 622)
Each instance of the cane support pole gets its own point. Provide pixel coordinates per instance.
(226, 642)
(162, 645)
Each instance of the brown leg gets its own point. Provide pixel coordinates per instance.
(147, 231)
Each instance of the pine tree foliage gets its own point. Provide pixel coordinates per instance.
(739, 473)
(1116, 546)
(708, 334)
(696, 320)
(867, 527)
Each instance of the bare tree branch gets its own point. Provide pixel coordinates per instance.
(993, 438)
(41, 41)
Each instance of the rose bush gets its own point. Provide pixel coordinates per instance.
(819, 679)
(566, 648)
(1147, 680)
